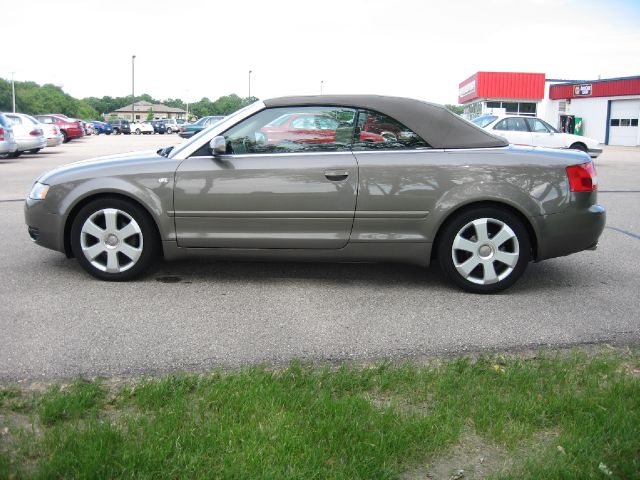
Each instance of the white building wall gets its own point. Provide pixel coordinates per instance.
(594, 115)
(592, 110)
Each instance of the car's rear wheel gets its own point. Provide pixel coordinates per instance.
(34, 150)
(65, 137)
(484, 250)
(169, 130)
(137, 131)
(114, 239)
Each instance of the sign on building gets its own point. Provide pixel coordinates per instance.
(582, 90)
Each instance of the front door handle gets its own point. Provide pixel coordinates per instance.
(336, 175)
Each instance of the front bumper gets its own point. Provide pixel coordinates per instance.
(594, 152)
(570, 232)
(45, 228)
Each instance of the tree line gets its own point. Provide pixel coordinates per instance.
(34, 99)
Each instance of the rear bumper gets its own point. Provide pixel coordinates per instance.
(8, 146)
(54, 141)
(74, 132)
(562, 234)
(31, 143)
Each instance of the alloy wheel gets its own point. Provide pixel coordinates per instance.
(111, 240)
(485, 251)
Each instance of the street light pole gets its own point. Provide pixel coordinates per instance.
(249, 83)
(321, 83)
(13, 92)
(133, 88)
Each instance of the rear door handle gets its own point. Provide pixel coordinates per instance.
(336, 175)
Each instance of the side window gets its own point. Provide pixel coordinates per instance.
(293, 129)
(377, 131)
(537, 126)
(15, 120)
(513, 124)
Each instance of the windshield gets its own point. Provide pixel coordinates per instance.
(484, 120)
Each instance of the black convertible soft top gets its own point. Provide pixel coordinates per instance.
(438, 126)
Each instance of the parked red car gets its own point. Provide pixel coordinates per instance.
(69, 128)
(309, 128)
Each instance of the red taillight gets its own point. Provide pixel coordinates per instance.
(582, 178)
(36, 132)
(1, 134)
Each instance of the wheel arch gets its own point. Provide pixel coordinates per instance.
(96, 196)
(581, 146)
(484, 204)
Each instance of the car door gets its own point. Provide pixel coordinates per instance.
(514, 129)
(263, 194)
(542, 135)
(398, 182)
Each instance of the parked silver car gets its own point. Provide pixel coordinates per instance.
(27, 132)
(52, 133)
(8, 145)
(339, 178)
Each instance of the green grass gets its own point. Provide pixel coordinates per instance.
(347, 423)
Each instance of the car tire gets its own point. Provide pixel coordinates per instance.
(114, 239)
(579, 146)
(34, 151)
(137, 132)
(169, 130)
(15, 154)
(484, 250)
(65, 137)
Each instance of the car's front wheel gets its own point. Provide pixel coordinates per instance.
(169, 130)
(114, 239)
(484, 250)
(579, 146)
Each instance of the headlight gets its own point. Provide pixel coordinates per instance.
(39, 191)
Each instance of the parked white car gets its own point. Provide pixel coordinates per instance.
(8, 145)
(52, 133)
(138, 128)
(521, 130)
(27, 132)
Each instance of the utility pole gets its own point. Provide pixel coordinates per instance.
(249, 83)
(133, 88)
(13, 92)
(321, 83)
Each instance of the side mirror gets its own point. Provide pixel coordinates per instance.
(218, 145)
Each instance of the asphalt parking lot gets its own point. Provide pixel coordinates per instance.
(57, 322)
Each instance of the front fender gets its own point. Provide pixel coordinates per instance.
(155, 197)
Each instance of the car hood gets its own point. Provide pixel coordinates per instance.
(120, 164)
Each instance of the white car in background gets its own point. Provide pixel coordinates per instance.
(27, 132)
(521, 130)
(138, 128)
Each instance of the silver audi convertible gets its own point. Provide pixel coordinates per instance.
(326, 178)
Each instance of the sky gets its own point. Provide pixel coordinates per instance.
(419, 49)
